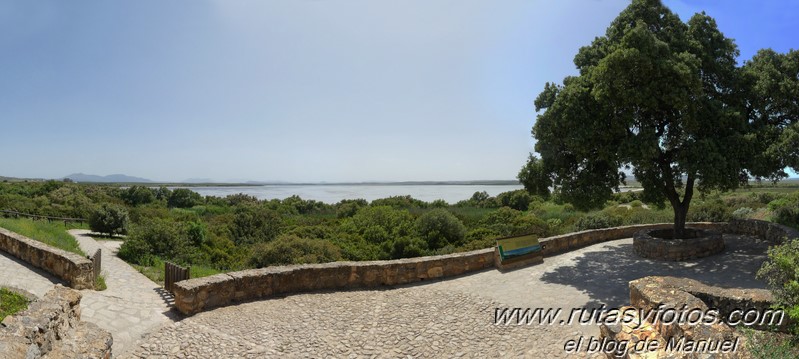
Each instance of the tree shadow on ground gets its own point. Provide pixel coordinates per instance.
(604, 274)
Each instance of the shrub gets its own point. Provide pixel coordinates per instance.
(439, 227)
(138, 195)
(636, 204)
(742, 213)
(290, 249)
(378, 224)
(109, 219)
(518, 200)
(406, 247)
(254, 224)
(597, 221)
(136, 251)
(165, 239)
(347, 208)
(709, 211)
(786, 210)
(781, 272)
(184, 198)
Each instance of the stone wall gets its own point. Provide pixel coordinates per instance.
(653, 245)
(571, 241)
(771, 232)
(51, 328)
(684, 295)
(70, 267)
(195, 295)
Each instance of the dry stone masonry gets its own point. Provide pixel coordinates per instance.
(70, 267)
(51, 328)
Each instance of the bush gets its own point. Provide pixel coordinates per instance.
(138, 195)
(742, 213)
(136, 251)
(378, 224)
(710, 211)
(406, 247)
(184, 198)
(786, 210)
(109, 219)
(597, 221)
(439, 227)
(254, 224)
(165, 239)
(636, 204)
(290, 249)
(518, 200)
(781, 272)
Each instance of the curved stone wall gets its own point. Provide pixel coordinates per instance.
(651, 244)
(195, 295)
(571, 241)
(70, 267)
(771, 232)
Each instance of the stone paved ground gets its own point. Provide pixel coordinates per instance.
(447, 318)
(131, 306)
(21, 275)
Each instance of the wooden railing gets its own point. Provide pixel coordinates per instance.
(15, 214)
(174, 273)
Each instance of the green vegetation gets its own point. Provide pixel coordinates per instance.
(109, 219)
(53, 234)
(239, 231)
(770, 345)
(99, 283)
(665, 100)
(781, 272)
(11, 303)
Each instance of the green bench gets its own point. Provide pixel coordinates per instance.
(518, 251)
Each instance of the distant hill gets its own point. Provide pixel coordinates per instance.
(115, 178)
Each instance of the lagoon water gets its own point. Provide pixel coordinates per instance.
(335, 193)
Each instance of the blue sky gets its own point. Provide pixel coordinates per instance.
(293, 90)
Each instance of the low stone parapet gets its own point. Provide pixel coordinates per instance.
(51, 328)
(74, 269)
(772, 232)
(571, 241)
(195, 295)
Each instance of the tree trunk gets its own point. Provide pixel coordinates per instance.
(680, 214)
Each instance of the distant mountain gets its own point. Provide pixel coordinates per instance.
(115, 178)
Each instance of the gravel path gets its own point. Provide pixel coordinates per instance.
(449, 318)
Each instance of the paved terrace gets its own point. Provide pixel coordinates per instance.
(448, 318)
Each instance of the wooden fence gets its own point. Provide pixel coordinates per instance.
(97, 262)
(174, 273)
(15, 214)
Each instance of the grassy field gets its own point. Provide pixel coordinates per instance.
(11, 303)
(54, 234)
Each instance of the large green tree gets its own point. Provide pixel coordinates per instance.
(665, 100)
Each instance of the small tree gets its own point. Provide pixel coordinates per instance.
(109, 219)
(664, 99)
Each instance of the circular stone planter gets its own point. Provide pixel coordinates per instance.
(657, 244)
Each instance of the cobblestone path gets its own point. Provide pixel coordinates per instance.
(449, 318)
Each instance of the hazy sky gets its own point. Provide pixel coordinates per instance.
(293, 90)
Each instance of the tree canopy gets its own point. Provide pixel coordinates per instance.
(664, 100)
